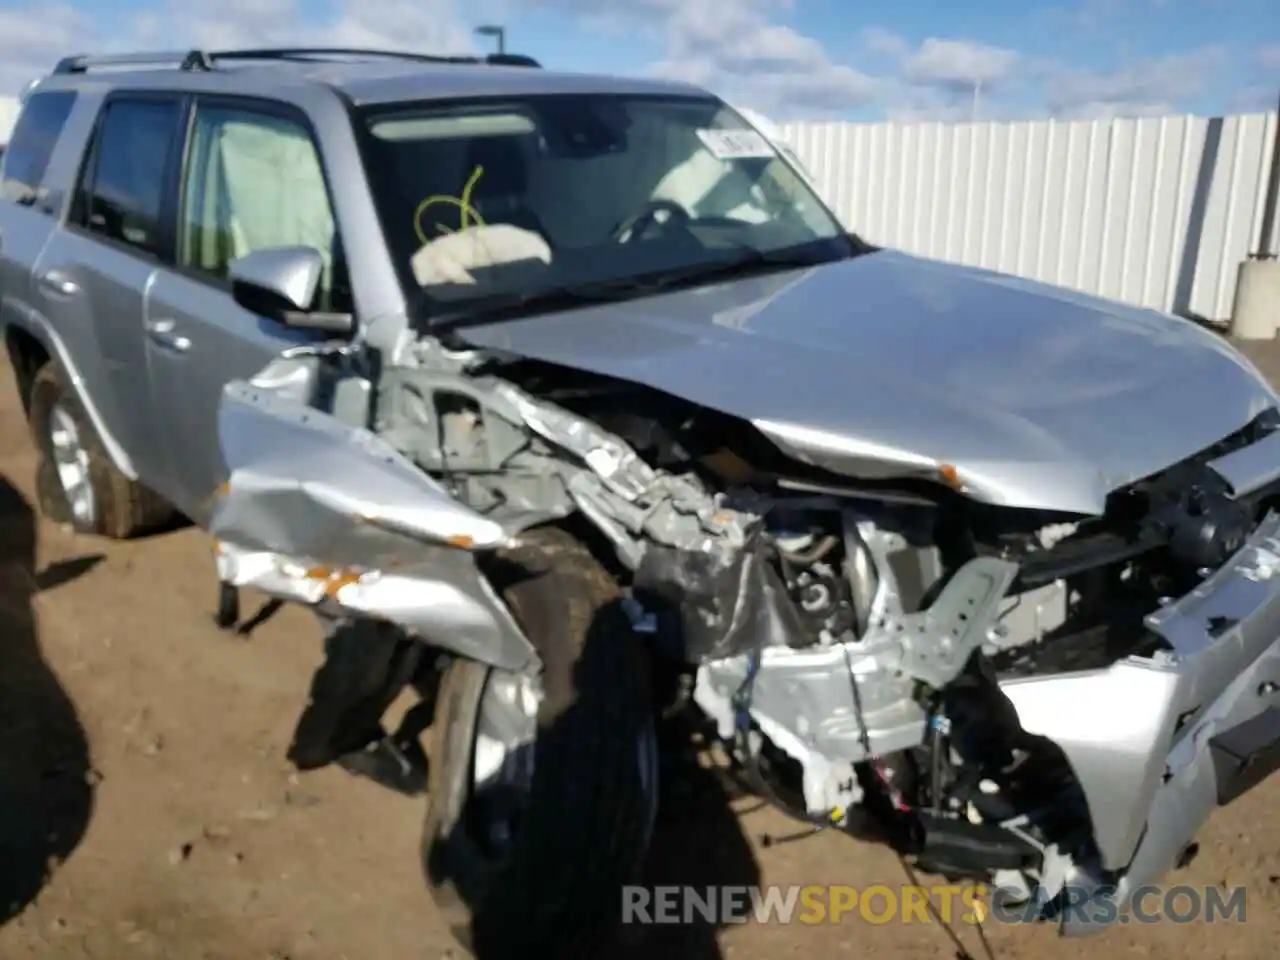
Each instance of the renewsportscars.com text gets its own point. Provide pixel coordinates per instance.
(881, 904)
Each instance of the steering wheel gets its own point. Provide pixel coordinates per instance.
(637, 226)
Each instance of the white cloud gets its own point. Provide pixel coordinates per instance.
(1102, 15)
(1146, 85)
(1111, 109)
(938, 79)
(739, 50)
(426, 25)
(886, 42)
(914, 106)
(33, 38)
(1257, 98)
(1094, 14)
(958, 64)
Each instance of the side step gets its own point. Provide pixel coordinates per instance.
(1246, 755)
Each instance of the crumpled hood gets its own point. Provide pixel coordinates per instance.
(889, 364)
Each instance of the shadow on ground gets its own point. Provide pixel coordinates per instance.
(698, 845)
(46, 792)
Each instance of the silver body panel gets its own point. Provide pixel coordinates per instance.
(319, 510)
(1150, 779)
(1250, 468)
(891, 364)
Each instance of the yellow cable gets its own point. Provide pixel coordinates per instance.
(463, 203)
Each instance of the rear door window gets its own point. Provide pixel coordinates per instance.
(36, 133)
(121, 194)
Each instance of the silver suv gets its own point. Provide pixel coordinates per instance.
(567, 402)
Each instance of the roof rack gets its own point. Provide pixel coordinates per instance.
(201, 60)
(183, 59)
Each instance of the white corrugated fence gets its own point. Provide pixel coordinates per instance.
(1157, 212)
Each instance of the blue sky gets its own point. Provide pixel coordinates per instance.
(792, 59)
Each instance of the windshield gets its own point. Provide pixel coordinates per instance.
(489, 199)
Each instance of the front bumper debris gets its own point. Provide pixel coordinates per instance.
(1159, 743)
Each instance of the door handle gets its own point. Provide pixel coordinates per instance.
(58, 283)
(161, 332)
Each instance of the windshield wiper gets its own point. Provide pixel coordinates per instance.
(748, 261)
(506, 306)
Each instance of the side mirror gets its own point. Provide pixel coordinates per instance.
(281, 283)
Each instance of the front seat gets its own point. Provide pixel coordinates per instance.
(501, 195)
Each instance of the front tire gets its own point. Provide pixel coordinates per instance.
(587, 806)
(76, 482)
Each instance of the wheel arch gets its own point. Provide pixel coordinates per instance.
(35, 342)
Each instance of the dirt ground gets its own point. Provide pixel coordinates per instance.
(146, 809)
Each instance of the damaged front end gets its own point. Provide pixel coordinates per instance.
(1049, 706)
(325, 514)
(1011, 692)
(393, 520)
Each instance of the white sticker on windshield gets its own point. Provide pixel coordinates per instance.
(736, 144)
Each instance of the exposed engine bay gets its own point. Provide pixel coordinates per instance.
(867, 648)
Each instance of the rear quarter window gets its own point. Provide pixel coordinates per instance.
(26, 159)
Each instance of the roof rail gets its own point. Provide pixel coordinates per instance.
(201, 60)
(511, 60)
(183, 59)
(360, 53)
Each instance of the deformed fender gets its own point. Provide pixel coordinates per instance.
(324, 513)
